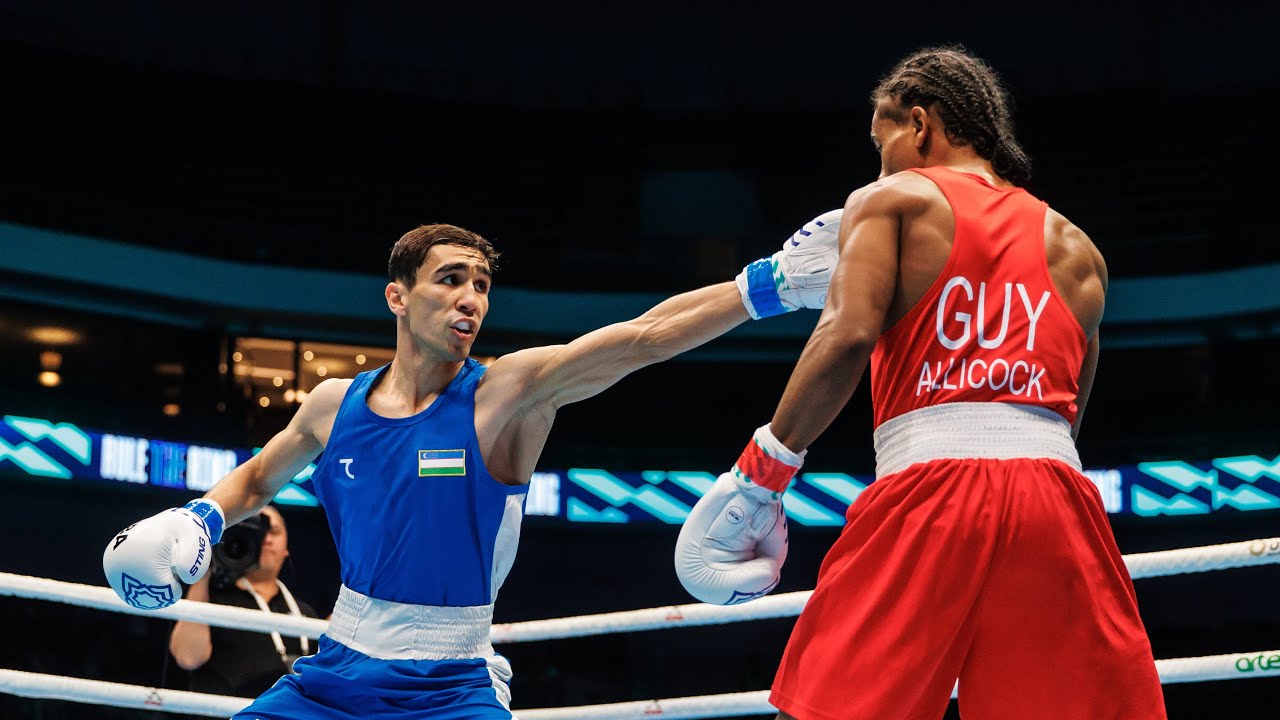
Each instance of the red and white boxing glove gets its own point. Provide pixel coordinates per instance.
(734, 542)
(147, 562)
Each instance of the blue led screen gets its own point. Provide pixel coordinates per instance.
(1166, 488)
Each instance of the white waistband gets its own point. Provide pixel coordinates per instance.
(400, 631)
(973, 430)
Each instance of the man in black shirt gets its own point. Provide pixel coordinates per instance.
(238, 662)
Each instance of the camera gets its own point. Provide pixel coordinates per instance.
(238, 550)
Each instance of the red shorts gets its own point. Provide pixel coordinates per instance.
(1002, 573)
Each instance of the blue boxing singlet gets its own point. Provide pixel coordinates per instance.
(425, 537)
(415, 515)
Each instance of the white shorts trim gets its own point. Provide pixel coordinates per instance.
(401, 631)
(973, 430)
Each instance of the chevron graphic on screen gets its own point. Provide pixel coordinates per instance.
(66, 436)
(1250, 467)
(1247, 482)
(44, 449)
(27, 457)
(668, 496)
(1165, 488)
(624, 496)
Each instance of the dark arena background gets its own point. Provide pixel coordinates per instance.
(197, 201)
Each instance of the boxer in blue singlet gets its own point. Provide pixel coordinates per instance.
(425, 466)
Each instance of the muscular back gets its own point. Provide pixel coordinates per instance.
(988, 295)
(928, 230)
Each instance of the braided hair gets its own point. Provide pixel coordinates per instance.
(967, 94)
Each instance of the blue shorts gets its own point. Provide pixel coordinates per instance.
(338, 683)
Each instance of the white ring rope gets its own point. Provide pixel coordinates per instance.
(782, 605)
(1264, 551)
(103, 598)
(56, 687)
(1178, 670)
(1142, 565)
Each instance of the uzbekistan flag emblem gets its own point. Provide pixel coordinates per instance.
(436, 463)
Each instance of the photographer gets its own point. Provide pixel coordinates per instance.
(246, 573)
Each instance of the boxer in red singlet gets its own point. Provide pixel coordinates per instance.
(981, 552)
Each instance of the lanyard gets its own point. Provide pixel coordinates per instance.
(247, 586)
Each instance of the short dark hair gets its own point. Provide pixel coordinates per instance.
(974, 105)
(410, 251)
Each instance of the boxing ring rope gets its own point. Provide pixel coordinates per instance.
(33, 685)
(104, 598)
(1142, 565)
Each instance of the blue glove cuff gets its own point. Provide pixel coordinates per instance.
(762, 290)
(211, 515)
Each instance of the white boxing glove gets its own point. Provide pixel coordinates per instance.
(147, 562)
(734, 542)
(797, 276)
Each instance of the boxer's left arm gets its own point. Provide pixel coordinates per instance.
(732, 546)
(861, 294)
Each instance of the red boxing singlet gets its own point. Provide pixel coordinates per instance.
(992, 327)
(980, 552)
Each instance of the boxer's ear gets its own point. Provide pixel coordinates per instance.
(922, 124)
(397, 297)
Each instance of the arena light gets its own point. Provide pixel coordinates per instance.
(51, 360)
(50, 364)
(53, 335)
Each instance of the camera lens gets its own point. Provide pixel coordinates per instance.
(238, 550)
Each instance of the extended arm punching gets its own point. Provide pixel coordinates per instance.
(587, 366)
(795, 277)
(733, 544)
(147, 562)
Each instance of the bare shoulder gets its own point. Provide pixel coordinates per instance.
(905, 192)
(1067, 247)
(1077, 269)
(328, 393)
(510, 385)
(322, 402)
(517, 370)
(320, 408)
